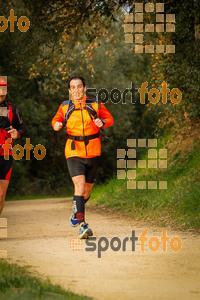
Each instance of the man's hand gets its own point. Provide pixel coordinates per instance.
(98, 122)
(14, 133)
(57, 126)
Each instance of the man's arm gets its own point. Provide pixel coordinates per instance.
(105, 115)
(58, 119)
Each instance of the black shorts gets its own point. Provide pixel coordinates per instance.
(83, 166)
(5, 168)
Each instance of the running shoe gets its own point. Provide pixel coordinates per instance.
(73, 220)
(84, 231)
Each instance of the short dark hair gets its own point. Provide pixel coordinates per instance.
(75, 77)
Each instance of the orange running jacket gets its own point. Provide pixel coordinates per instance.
(80, 124)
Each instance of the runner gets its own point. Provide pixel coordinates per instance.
(11, 126)
(83, 117)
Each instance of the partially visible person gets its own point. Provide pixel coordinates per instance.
(11, 126)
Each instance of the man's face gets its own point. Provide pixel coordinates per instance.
(77, 90)
(3, 93)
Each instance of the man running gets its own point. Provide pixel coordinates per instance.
(11, 126)
(83, 117)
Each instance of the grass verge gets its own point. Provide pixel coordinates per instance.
(177, 205)
(17, 283)
(34, 197)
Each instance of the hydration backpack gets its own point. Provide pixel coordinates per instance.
(88, 106)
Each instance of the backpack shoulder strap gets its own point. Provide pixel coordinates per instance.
(66, 102)
(88, 104)
(69, 110)
(13, 107)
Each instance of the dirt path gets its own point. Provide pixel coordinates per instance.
(39, 235)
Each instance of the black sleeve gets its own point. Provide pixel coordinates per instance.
(18, 122)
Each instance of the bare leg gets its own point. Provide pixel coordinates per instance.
(88, 189)
(3, 189)
(79, 185)
(82, 188)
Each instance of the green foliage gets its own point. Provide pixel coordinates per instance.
(181, 70)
